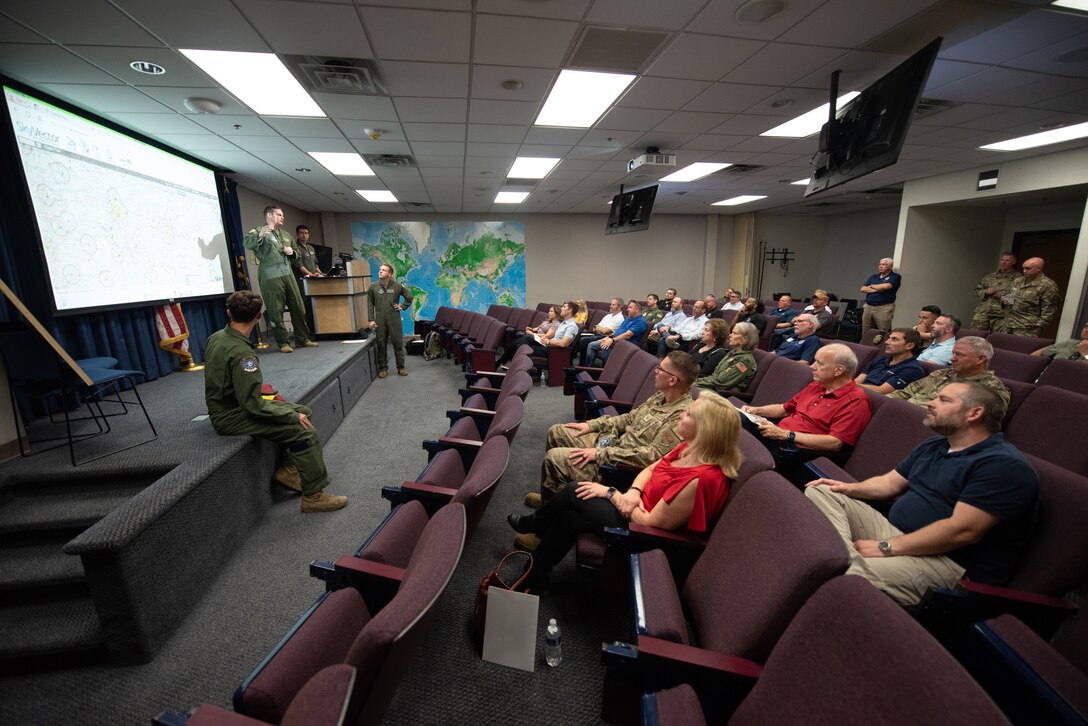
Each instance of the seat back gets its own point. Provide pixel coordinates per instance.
(594, 318)
(753, 576)
(757, 458)
(1054, 563)
(1044, 426)
(1018, 343)
(395, 537)
(622, 353)
(895, 428)
(476, 326)
(1072, 375)
(763, 364)
(492, 336)
(457, 319)
(1017, 366)
(520, 318)
(496, 311)
(865, 353)
(973, 332)
(442, 315)
(514, 386)
(635, 374)
(784, 379)
(868, 337)
(850, 633)
(648, 388)
(508, 417)
(382, 650)
(476, 491)
(1018, 393)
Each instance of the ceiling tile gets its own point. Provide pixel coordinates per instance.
(482, 111)
(850, 23)
(350, 106)
(702, 57)
(260, 144)
(303, 126)
(984, 84)
(197, 142)
(665, 93)
(691, 121)
(104, 99)
(225, 125)
(712, 142)
(96, 22)
(115, 60)
(718, 19)
(421, 35)
(730, 98)
(506, 151)
(561, 9)
(319, 143)
(1016, 38)
(203, 24)
(35, 64)
(174, 98)
(782, 64)
(439, 162)
(13, 32)
(426, 79)
(548, 135)
(432, 109)
(438, 148)
(280, 21)
(157, 123)
(505, 40)
(496, 133)
(487, 82)
(434, 132)
(381, 146)
(547, 151)
(672, 15)
(632, 119)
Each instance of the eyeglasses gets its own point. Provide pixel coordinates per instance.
(662, 370)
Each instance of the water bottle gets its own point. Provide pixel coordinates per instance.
(553, 644)
(543, 379)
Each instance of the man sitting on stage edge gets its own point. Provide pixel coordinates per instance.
(966, 503)
(232, 391)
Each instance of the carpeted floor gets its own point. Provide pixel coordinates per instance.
(265, 586)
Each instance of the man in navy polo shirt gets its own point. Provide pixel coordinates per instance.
(880, 290)
(633, 328)
(897, 369)
(966, 504)
(802, 344)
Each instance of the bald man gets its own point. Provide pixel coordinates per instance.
(1031, 301)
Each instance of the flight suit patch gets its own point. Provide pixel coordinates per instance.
(249, 364)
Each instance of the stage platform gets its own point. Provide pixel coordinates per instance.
(108, 557)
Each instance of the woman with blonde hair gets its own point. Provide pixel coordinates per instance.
(582, 313)
(737, 368)
(685, 488)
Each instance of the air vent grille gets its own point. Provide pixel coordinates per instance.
(740, 169)
(930, 106)
(399, 161)
(355, 76)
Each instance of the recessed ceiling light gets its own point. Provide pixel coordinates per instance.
(754, 12)
(1072, 4)
(578, 98)
(249, 76)
(377, 195)
(512, 84)
(202, 105)
(691, 172)
(342, 163)
(742, 199)
(301, 168)
(531, 167)
(782, 103)
(1043, 138)
(802, 182)
(809, 123)
(511, 197)
(151, 69)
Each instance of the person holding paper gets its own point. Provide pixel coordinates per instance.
(537, 338)
(686, 488)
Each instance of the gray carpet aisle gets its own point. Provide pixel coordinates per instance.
(265, 587)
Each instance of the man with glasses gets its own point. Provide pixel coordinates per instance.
(637, 439)
(803, 344)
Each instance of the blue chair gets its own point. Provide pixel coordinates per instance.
(36, 372)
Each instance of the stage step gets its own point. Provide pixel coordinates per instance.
(37, 559)
(36, 633)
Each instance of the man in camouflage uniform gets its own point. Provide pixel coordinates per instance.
(652, 314)
(990, 290)
(970, 362)
(384, 312)
(274, 250)
(232, 391)
(1031, 303)
(638, 438)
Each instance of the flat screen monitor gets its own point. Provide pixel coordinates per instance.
(120, 222)
(631, 211)
(868, 133)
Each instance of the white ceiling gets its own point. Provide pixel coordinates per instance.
(704, 92)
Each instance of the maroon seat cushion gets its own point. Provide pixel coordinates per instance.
(1041, 657)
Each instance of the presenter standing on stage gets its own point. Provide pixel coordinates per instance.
(232, 391)
(274, 249)
(384, 312)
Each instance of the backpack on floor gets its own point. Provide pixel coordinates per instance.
(432, 346)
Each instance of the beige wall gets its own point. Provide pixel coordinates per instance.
(804, 237)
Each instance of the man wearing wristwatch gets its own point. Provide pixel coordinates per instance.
(965, 503)
(826, 417)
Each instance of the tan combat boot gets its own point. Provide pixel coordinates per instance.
(288, 476)
(322, 502)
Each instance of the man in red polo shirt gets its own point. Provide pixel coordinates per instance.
(825, 418)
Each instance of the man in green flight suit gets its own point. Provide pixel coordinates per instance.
(275, 252)
(384, 313)
(232, 391)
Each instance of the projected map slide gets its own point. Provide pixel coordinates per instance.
(121, 221)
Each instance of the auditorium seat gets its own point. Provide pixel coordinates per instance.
(1017, 366)
(764, 360)
(325, 700)
(579, 378)
(474, 427)
(482, 355)
(649, 388)
(895, 428)
(448, 482)
(340, 628)
(517, 384)
(864, 353)
(494, 379)
(768, 331)
(1018, 343)
(1032, 680)
(850, 656)
(1047, 425)
(973, 332)
(1072, 375)
(769, 552)
(558, 360)
(1018, 393)
(780, 383)
(639, 369)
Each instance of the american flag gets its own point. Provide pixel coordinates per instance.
(173, 333)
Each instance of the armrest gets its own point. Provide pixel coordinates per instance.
(467, 448)
(376, 582)
(496, 377)
(596, 408)
(476, 414)
(654, 660)
(205, 715)
(826, 468)
(621, 477)
(946, 611)
(591, 371)
(681, 536)
(432, 496)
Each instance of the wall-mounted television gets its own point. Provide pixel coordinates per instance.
(121, 221)
(867, 134)
(631, 211)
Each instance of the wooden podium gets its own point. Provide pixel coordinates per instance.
(339, 304)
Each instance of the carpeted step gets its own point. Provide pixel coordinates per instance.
(58, 510)
(37, 559)
(64, 623)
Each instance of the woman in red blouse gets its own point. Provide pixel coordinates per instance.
(685, 488)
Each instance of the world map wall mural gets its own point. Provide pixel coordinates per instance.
(467, 265)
